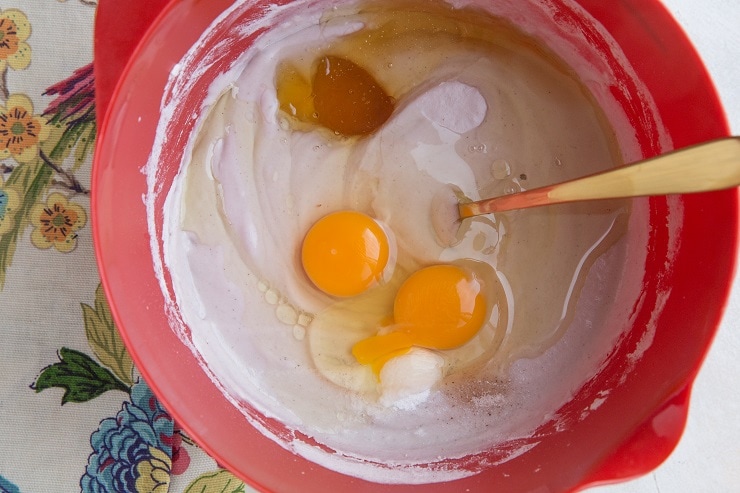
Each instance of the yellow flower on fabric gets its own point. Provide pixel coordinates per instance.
(20, 130)
(14, 31)
(154, 473)
(9, 202)
(56, 223)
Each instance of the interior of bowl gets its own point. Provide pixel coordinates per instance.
(620, 422)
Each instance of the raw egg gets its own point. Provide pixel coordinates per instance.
(345, 253)
(340, 96)
(437, 307)
(348, 99)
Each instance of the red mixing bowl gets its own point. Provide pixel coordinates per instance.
(627, 435)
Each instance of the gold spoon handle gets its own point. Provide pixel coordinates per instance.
(714, 165)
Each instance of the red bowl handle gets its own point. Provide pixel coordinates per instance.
(648, 446)
(114, 45)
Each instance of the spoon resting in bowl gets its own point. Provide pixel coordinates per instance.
(714, 165)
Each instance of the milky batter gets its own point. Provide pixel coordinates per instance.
(477, 106)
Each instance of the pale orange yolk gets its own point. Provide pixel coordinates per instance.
(438, 307)
(345, 253)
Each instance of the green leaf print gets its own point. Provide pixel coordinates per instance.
(104, 339)
(79, 375)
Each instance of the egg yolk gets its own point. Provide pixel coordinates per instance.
(348, 100)
(438, 307)
(340, 95)
(345, 253)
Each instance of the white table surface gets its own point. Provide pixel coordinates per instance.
(707, 459)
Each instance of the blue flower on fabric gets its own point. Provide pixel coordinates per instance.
(4, 199)
(9, 202)
(7, 487)
(132, 452)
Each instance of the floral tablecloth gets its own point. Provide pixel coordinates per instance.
(74, 413)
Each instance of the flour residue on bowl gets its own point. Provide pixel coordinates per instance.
(477, 106)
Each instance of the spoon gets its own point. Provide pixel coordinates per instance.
(714, 165)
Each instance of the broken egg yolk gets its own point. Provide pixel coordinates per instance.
(345, 253)
(437, 307)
